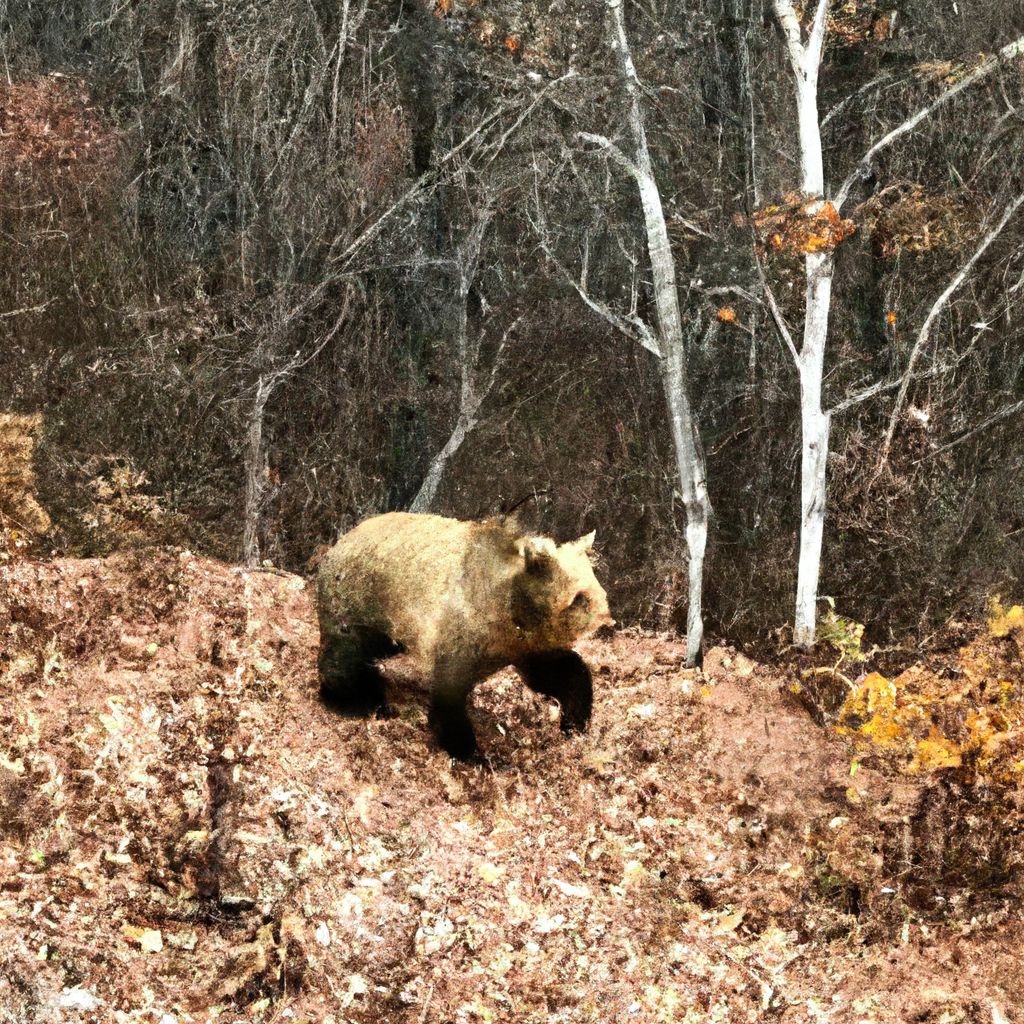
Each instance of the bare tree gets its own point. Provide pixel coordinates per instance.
(476, 379)
(805, 59)
(804, 50)
(667, 340)
(933, 314)
(273, 367)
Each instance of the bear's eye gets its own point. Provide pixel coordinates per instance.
(580, 601)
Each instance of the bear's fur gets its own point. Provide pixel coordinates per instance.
(464, 599)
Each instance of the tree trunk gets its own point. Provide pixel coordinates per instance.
(814, 424)
(435, 473)
(468, 353)
(690, 466)
(672, 365)
(805, 59)
(685, 439)
(255, 467)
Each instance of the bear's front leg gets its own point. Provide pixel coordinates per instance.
(563, 675)
(448, 718)
(450, 724)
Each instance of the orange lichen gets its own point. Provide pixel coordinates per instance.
(801, 225)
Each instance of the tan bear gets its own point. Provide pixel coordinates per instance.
(464, 599)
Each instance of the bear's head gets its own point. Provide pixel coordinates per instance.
(556, 597)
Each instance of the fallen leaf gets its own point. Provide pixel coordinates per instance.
(490, 873)
(149, 939)
(579, 891)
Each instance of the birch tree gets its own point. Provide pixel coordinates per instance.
(804, 48)
(666, 340)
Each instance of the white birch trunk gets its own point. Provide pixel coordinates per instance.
(805, 59)
(814, 423)
(672, 365)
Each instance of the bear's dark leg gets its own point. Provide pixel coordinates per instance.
(350, 682)
(563, 675)
(450, 724)
(449, 721)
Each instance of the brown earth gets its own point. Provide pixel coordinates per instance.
(186, 833)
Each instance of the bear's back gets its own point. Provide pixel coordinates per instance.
(401, 573)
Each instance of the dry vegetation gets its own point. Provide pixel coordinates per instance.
(22, 518)
(233, 233)
(188, 834)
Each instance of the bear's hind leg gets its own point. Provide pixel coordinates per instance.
(350, 682)
(563, 675)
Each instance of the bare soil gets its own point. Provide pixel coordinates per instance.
(186, 833)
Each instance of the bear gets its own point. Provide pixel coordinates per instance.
(463, 599)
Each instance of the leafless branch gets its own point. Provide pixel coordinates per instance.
(27, 309)
(613, 151)
(630, 325)
(940, 303)
(1003, 414)
(847, 100)
(983, 70)
(780, 320)
(816, 39)
(430, 176)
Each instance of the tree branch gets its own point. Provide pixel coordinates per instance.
(780, 321)
(1005, 413)
(790, 24)
(847, 100)
(940, 303)
(816, 39)
(430, 175)
(500, 144)
(613, 151)
(891, 385)
(632, 326)
(1008, 52)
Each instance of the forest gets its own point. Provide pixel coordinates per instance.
(735, 284)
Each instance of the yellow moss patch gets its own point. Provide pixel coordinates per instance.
(873, 695)
(871, 712)
(961, 711)
(935, 752)
(1004, 621)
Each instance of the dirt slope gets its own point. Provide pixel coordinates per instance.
(185, 833)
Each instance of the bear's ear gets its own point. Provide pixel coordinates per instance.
(586, 542)
(539, 561)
